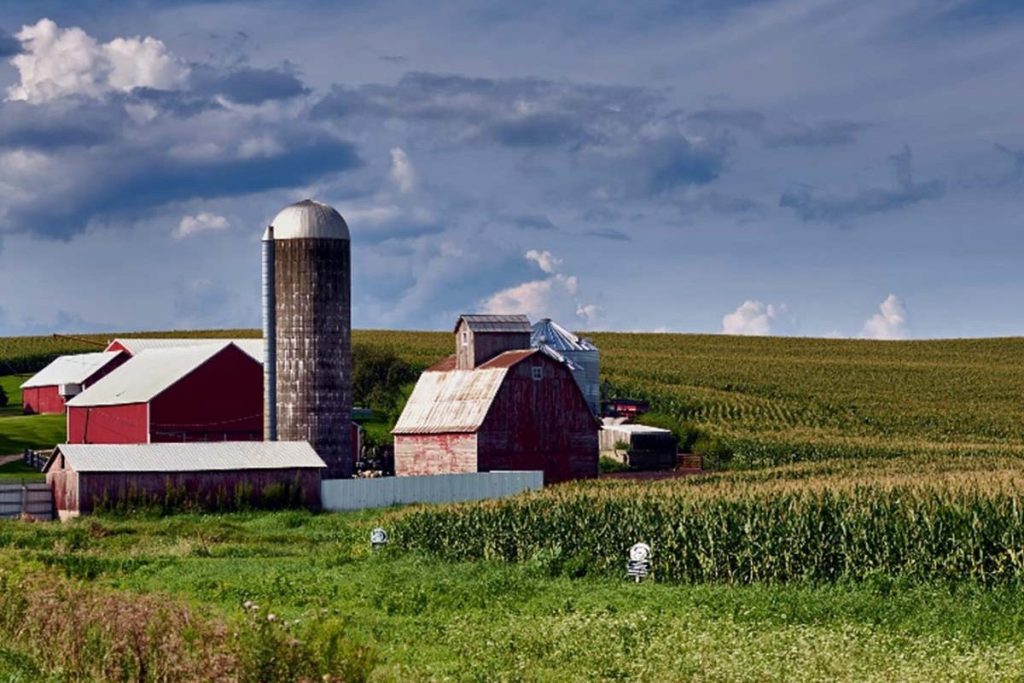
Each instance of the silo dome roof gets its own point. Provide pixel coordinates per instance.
(309, 219)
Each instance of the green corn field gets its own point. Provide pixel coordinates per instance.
(915, 519)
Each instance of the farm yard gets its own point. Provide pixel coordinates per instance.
(866, 523)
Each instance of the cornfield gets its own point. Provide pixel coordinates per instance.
(763, 401)
(915, 520)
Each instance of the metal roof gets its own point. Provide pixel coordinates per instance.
(308, 219)
(447, 401)
(73, 369)
(548, 332)
(496, 323)
(188, 457)
(635, 429)
(135, 345)
(146, 375)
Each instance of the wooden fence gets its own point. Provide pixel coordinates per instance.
(26, 500)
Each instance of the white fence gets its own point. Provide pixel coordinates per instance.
(357, 494)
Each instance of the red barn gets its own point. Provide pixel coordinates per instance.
(209, 475)
(519, 409)
(66, 377)
(210, 392)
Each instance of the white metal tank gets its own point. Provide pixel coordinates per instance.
(583, 355)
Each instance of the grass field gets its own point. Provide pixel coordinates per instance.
(428, 619)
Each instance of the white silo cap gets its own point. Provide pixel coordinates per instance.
(308, 219)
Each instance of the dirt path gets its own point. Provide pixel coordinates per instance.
(4, 459)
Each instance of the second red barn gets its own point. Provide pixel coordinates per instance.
(208, 392)
(496, 405)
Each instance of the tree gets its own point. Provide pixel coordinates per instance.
(3, 398)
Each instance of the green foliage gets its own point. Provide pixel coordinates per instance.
(607, 465)
(4, 400)
(378, 376)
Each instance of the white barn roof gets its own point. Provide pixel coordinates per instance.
(136, 345)
(188, 457)
(146, 375)
(73, 369)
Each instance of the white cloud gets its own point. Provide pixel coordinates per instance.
(201, 222)
(544, 259)
(889, 323)
(58, 62)
(402, 172)
(556, 296)
(756, 318)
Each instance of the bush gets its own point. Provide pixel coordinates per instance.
(4, 400)
(606, 464)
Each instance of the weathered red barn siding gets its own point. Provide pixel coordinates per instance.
(80, 492)
(41, 400)
(108, 424)
(540, 424)
(221, 400)
(422, 454)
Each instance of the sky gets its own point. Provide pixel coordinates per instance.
(789, 167)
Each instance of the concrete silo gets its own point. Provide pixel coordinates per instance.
(584, 356)
(307, 326)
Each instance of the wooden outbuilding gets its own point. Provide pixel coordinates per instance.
(204, 475)
(518, 409)
(209, 392)
(67, 376)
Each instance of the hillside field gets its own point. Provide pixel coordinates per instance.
(753, 401)
(893, 551)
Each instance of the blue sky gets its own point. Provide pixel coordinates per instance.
(804, 167)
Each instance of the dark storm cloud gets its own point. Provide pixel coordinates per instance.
(247, 85)
(780, 132)
(532, 222)
(61, 124)
(9, 45)
(513, 112)
(609, 234)
(677, 162)
(1016, 156)
(124, 180)
(813, 205)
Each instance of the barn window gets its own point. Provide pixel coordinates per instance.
(465, 337)
(538, 372)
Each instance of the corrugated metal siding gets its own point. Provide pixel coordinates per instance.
(73, 369)
(357, 494)
(496, 323)
(187, 457)
(453, 401)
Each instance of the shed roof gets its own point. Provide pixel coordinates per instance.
(188, 457)
(146, 375)
(496, 323)
(456, 401)
(635, 429)
(136, 345)
(73, 369)
(548, 332)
